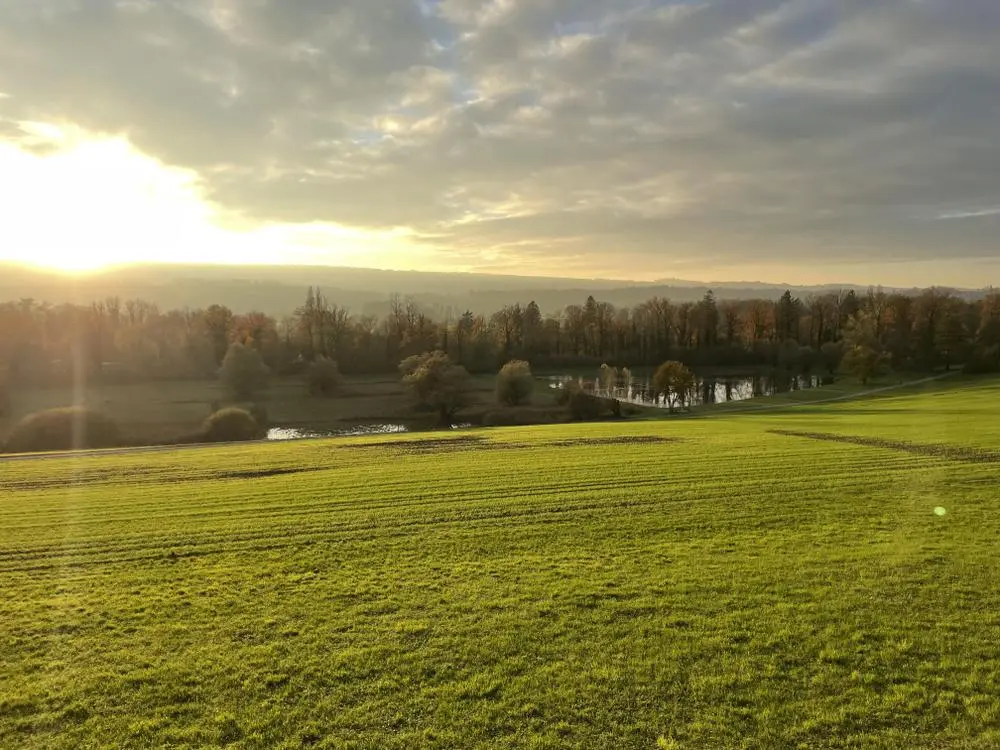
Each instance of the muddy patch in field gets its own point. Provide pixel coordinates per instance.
(262, 473)
(427, 445)
(931, 450)
(615, 440)
(477, 442)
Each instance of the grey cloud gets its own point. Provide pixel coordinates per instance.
(792, 127)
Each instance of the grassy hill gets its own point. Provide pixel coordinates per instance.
(825, 576)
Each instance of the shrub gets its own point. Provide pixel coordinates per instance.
(69, 428)
(323, 378)
(231, 424)
(583, 406)
(615, 406)
(436, 383)
(243, 372)
(983, 361)
(515, 384)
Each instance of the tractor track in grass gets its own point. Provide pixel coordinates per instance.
(931, 450)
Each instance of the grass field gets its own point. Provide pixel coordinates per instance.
(821, 577)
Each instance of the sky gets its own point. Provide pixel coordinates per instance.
(800, 141)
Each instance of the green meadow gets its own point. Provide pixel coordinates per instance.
(823, 576)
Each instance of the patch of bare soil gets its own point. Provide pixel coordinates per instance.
(616, 440)
(427, 445)
(953, 452)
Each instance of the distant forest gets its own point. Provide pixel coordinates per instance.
(116, 340)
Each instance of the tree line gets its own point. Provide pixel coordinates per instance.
(113, 340)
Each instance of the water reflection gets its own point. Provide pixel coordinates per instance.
(294, 433)
(640, 390)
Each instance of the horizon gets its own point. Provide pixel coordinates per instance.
(724, 139)
(245, 268)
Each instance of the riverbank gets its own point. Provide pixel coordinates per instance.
(161, 411)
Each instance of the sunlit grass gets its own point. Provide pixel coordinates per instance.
(704, 583)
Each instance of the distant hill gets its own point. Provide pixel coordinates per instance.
(278, 290)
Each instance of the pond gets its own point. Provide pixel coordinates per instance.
(708, 390)
(296, 433)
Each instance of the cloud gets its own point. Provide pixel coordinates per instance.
(515, 130)
(972, 213)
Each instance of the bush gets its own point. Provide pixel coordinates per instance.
(323, 378)
(983, 361)
(243, 371)
(615, 406)
(69, 428)
(436, 383)
(515, 384)
(583, 406)
(231, 424)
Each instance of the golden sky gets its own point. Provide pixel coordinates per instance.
(785, 141)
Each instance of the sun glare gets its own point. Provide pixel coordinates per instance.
(78, 202)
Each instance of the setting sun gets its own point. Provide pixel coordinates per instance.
(76, 202)
(79, 203)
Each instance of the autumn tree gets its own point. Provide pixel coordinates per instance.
(730, 316)
(787, 313)
(952, 339)
(515, 383)
(243, 372)
(674, 383)
(987, 357)
(218, 321)
(436, 383)
(988, 332)
(863, 354)
(323, 377)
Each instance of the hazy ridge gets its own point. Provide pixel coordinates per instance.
(278, 290)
